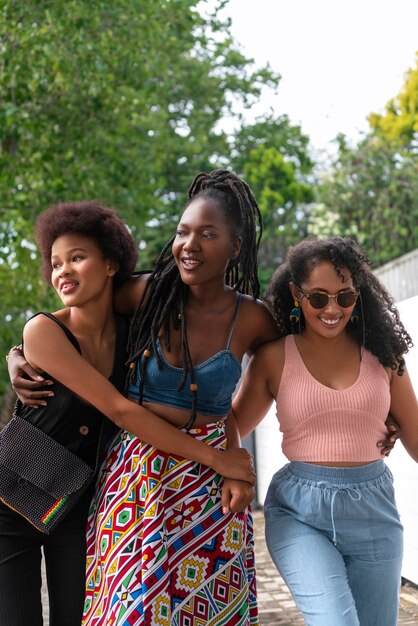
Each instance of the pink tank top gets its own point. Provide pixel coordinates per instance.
(323, 424)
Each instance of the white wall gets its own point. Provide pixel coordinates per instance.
(404, 469)
(400, 276)
(269, 456)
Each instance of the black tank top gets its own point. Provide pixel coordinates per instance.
(67, 418)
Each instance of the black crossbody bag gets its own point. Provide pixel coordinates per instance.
(40, 478)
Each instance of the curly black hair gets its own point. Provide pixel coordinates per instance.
(90, 219)
(379, 325)
(165, 294)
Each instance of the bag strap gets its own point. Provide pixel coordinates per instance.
(107, 426)
(106, 430)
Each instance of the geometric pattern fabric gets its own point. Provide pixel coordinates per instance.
(160, 552)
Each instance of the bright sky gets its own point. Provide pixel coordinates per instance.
(339, 59)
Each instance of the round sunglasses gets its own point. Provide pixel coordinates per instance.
(319, 299)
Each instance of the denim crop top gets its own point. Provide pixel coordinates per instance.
(216, 379)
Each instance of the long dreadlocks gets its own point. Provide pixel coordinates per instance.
(164, 298)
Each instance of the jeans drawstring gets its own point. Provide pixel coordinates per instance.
(351, 491)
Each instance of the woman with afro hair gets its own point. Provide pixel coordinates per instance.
(332, 527)
(86, 251)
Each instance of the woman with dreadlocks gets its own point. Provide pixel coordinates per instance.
(163, 546)
(332, 527)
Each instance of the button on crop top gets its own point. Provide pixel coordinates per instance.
(216, 379)
(324, 424)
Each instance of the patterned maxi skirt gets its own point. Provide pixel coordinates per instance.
(160, 552)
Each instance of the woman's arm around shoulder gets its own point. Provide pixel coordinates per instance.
(259, 386)
(44, 340)
(404, 408)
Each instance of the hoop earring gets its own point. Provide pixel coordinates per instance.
(295, 313)
(355, 315)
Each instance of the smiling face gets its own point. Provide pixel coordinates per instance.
(79, 271)
(204, 244)
(332, 319)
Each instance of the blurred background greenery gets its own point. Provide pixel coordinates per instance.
(125, 101)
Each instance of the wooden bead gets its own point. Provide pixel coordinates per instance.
(147, 353)
(193, 387)
(132, 366)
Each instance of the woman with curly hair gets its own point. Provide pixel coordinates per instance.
(332, 527)
(86, 251)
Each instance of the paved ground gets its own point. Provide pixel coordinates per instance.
(276, 606)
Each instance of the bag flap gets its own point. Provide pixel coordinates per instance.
(36, 457)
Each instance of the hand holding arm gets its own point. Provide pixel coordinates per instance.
(234, 463)
(43, 339)
(404, 408)
(392, 435)
(26, 382)
(237, 495)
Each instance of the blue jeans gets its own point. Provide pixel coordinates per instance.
(335, 536)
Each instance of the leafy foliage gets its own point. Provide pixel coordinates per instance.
(119, 101)
(273, 132)
(113, 100)
(371, 194)
(399, 124)
(273, 157)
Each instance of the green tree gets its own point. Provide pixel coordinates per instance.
(119, 101)
(273, 156)
(273, 132)
(371, 190)
(399, 123)
(371, 194)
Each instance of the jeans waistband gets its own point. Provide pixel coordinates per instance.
(341, 480)
(338, 475)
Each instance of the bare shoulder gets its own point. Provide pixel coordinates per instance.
(42, 338)
(128, 296)
(258, 323)
(39, 323)
(271, 352)
(256, 310)
(41, 327)
(267, 364)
